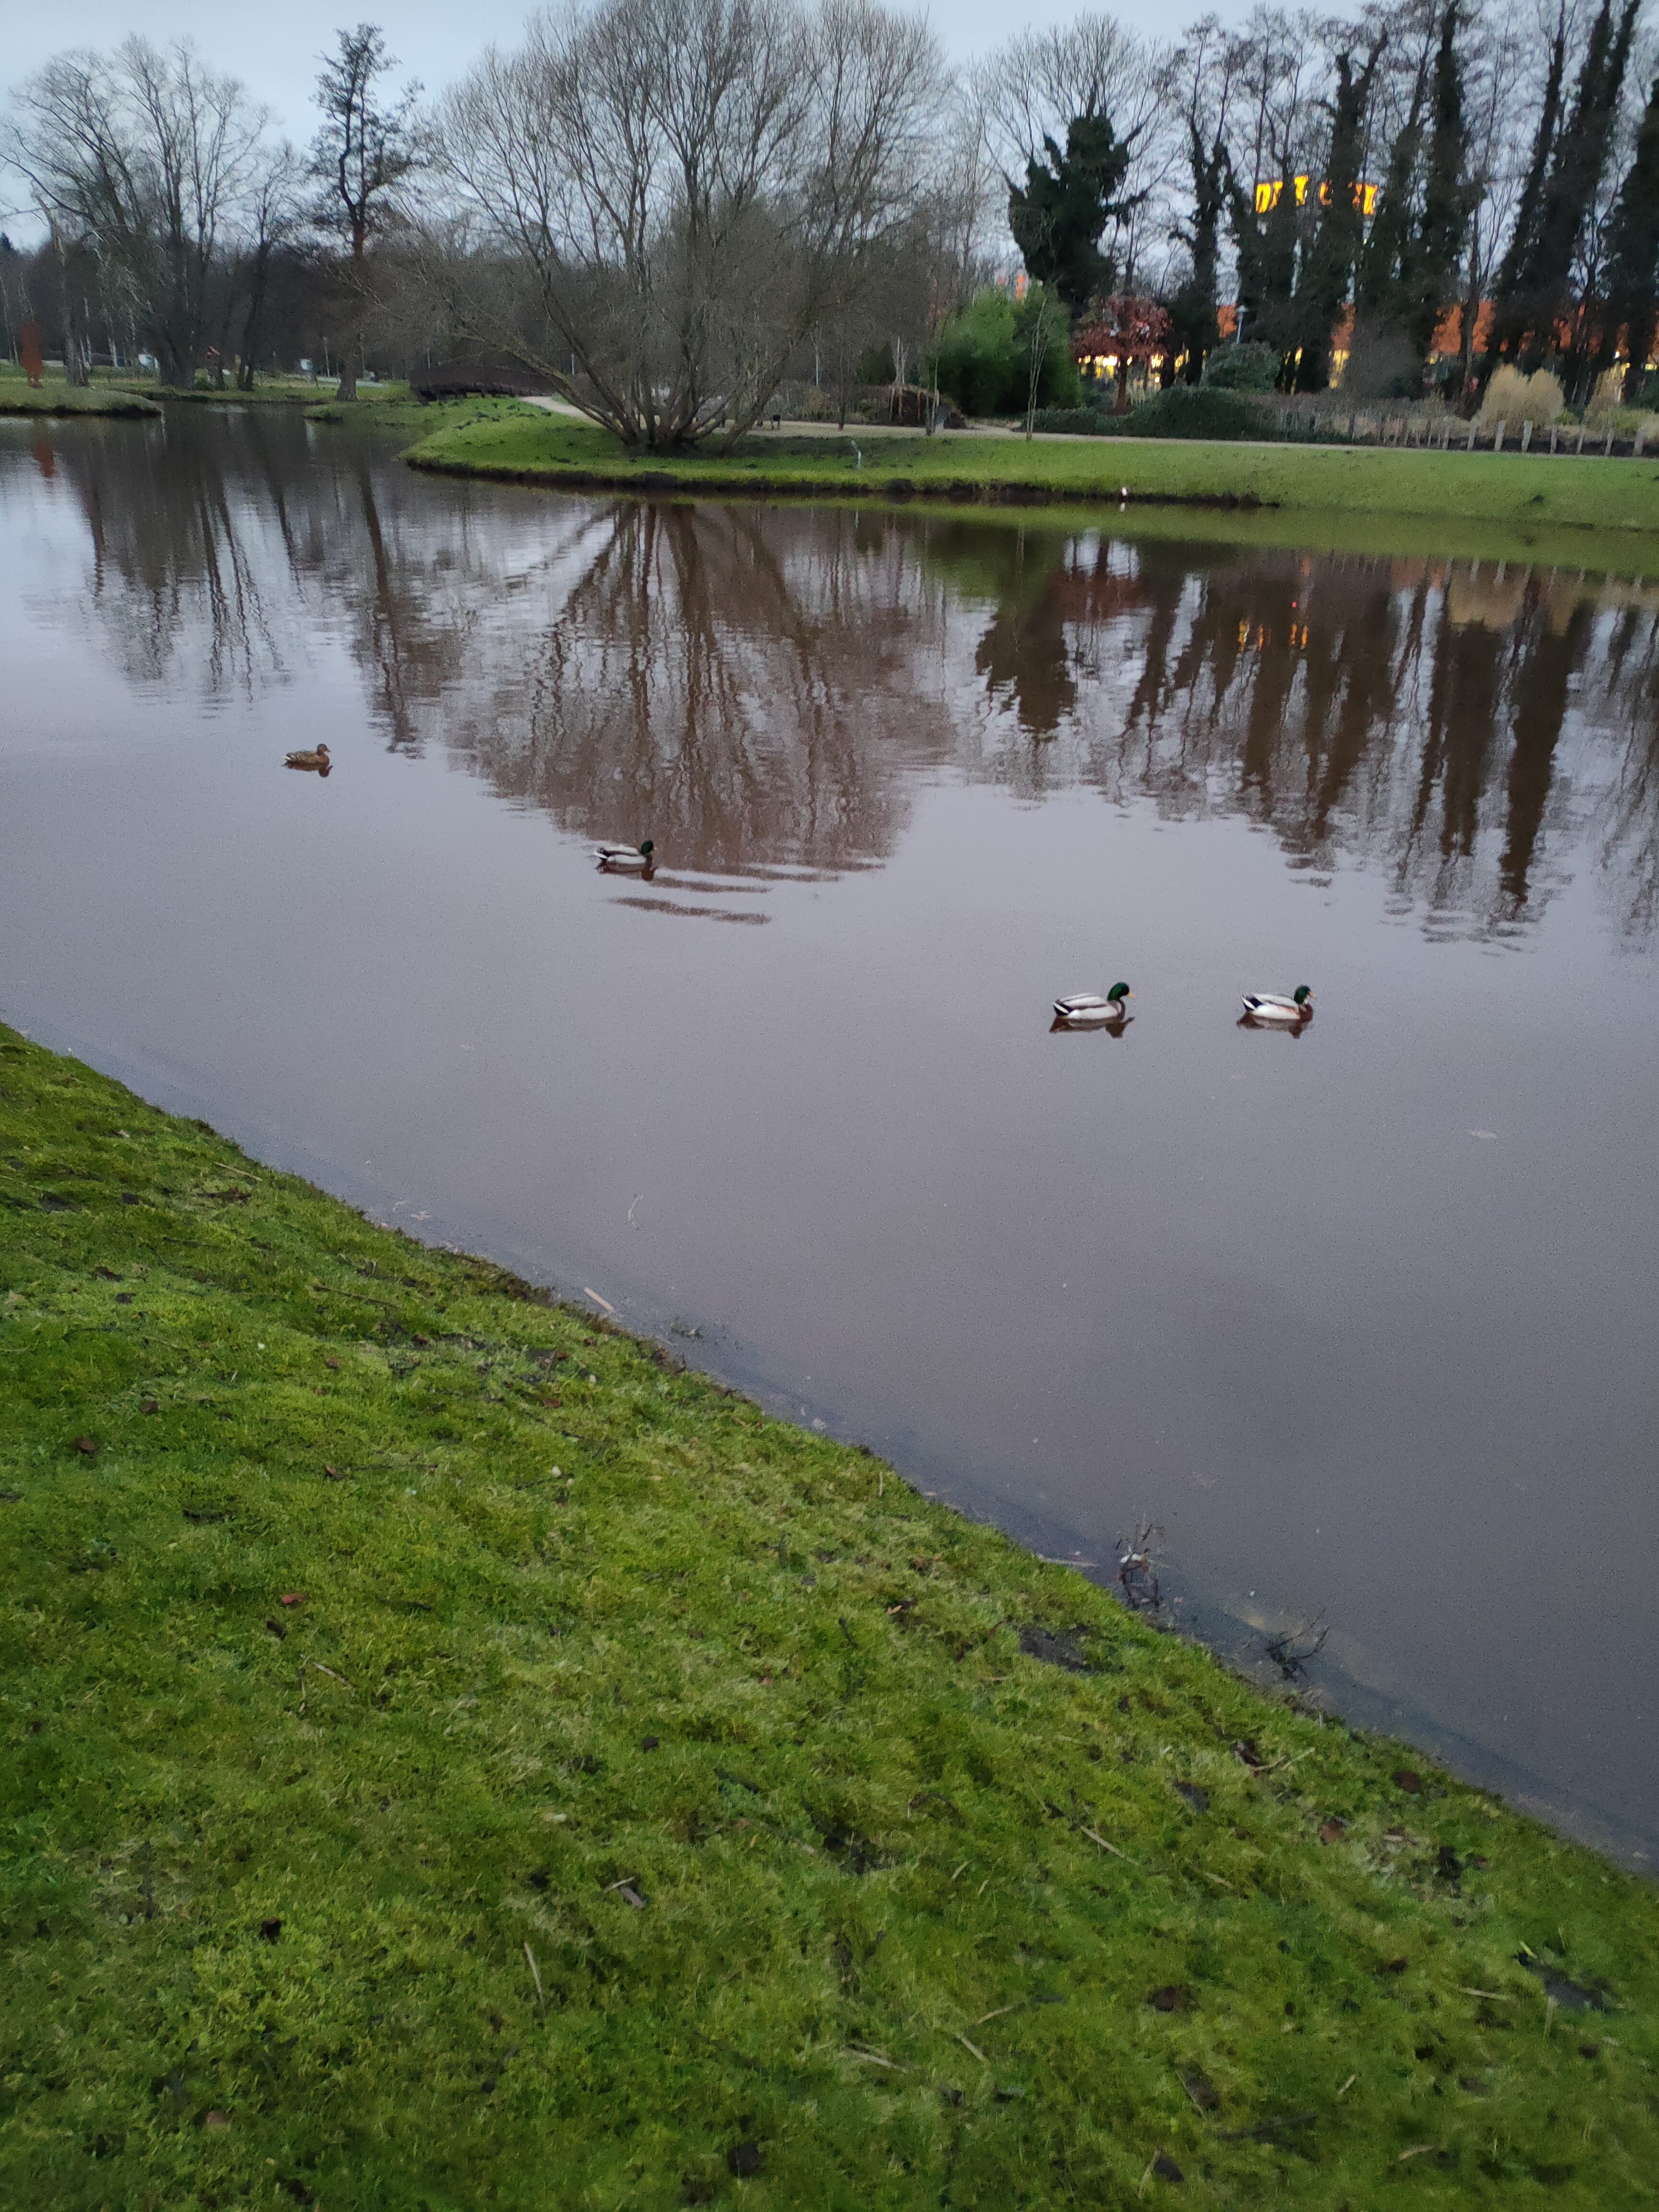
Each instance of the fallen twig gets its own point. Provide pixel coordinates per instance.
(536, 1976)
(974, 2047)
(1282, 1649)
(1112, 1848)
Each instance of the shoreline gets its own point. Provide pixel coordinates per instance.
(725, 1708)
(1587, 511)
(65, 402)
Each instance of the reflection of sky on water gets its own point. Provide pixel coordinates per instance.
(763, 686)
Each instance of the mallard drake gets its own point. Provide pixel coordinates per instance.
(317, 758)
(1089, 1007)
(1268, 1007)
(626, 859)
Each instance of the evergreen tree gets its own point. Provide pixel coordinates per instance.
(1192, 310)
(1323, 292)
(1067, 201)
(1511, 322)
(1537, 272)
(1633, 256)
(1379, 292)
(1266, 247)
(1449, 199)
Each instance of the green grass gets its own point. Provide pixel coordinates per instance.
(1569, 498)
(369, 1623)
(314, 395)
(53, 397)
(398, 410)
(109, 394)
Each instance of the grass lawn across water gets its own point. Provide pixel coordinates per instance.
(453, 1757)
(54, 396)
(1567, 497)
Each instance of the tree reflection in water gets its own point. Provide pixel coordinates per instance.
(764, 687)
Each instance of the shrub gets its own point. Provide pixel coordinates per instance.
(1380, 365)
(1080, 422)
(1512, 397)
(1185, 410)
(1248, 368)
(983, 357)
(1607, 398)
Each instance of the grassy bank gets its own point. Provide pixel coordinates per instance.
(452, 1756)
(53, 397)
(1515, 491)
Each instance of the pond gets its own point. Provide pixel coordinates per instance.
(1360, 1318)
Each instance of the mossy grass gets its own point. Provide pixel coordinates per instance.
(1595, 509)
(52, 395)
(453, 1756)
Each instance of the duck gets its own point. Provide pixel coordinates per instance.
(624, 860)
(1268, 1006)
(1089, 1007)
(316, 759)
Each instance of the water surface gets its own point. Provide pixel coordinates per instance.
(1364, 1319)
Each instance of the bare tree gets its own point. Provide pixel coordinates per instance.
(273, 215)
(663, 198)
(141, 159)
(363, 154)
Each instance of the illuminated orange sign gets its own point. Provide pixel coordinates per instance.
(1267, 195)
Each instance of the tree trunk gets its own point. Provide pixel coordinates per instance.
(75, 349)
(256, 302)
(347, 387)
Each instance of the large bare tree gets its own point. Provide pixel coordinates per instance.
(660, 198)
(142, 158)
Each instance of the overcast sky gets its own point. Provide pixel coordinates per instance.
(275, 49)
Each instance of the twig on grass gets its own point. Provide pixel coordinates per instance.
(1112, 1848)
(536, 1976)
(974, 2047)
